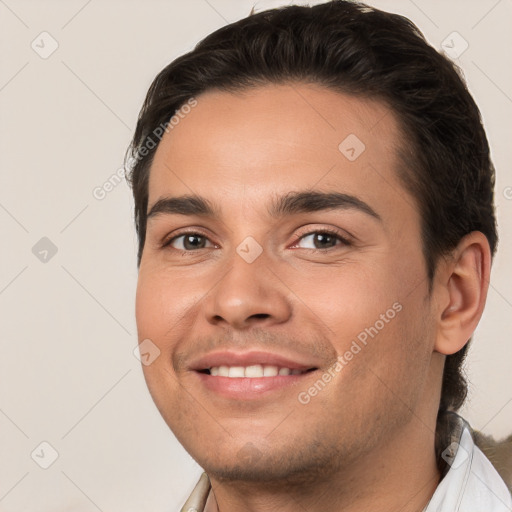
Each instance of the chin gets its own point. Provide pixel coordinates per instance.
(252, 465)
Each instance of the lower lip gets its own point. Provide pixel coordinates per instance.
(242, 388)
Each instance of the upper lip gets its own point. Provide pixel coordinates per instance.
(249, 358)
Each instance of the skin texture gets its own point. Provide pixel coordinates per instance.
(367, 438)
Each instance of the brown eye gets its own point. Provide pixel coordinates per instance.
(188, 242)
(322, 240)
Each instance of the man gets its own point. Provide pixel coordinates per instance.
(314, 204)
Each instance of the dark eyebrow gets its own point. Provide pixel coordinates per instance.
(313, 201)
(184, 205)
(291, 203)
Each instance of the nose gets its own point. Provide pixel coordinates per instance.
(248, 294)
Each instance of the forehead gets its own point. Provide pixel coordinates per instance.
(276, 138)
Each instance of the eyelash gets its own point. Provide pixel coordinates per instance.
(329, 232)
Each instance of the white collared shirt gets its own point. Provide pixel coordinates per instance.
(470, 485)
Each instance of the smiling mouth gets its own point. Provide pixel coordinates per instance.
(255, 371)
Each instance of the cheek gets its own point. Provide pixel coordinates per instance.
(394, 359)
(155, 310)
(148, 307)
(165, 309)
(375, 317)
(349, 299)
(381, 377)
(159, 305)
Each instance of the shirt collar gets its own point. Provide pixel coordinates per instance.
(471, 482)
(197, 499)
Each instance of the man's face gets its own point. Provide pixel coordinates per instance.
(252, 292)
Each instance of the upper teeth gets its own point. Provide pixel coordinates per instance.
(256, 370)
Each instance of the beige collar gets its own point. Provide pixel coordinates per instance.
(197, 499)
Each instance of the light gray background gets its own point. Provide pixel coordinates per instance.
(68, 373)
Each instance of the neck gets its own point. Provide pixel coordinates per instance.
(402, 475)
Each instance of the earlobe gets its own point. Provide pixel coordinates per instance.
(461, 287)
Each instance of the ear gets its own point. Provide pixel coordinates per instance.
(460, 287)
